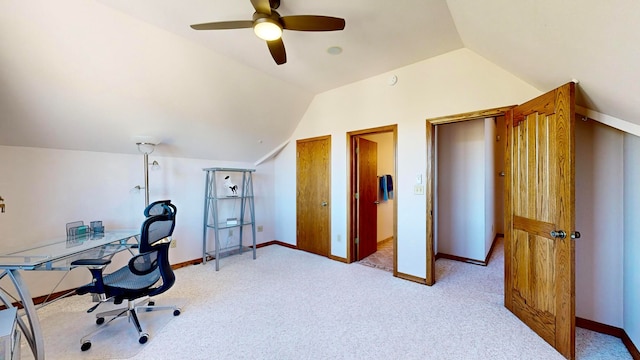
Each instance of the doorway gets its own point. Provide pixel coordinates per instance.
(431, 176)
(469, 205)
(372, 229)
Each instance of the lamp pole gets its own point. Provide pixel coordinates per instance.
(146, 148)
(146, 180)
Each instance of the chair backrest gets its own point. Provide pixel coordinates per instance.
(154, 253)
(160, 207)
(157, 226)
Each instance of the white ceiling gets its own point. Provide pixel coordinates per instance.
(91, 75)
(378, 36)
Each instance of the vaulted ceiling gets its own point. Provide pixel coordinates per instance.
(94, 75)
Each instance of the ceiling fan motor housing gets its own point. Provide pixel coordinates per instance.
(259, 17)
(274, 4)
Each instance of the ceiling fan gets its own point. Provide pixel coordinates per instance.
(268, 25)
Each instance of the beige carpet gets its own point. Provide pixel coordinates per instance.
(118, 340)
(289, 304)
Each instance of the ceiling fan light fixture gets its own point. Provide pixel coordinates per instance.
(267, 29)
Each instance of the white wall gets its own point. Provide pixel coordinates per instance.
(459, 81)
(386, 165)
(45, 188)
(632, 237)
(599, 218)
(461, 189)
(489, 184)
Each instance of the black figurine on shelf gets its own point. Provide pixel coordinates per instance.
(232, 187)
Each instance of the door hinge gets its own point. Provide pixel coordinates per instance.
(356, 196)
(357, 150)
(357, 241)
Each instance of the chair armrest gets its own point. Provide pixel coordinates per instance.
(96, 267)
(91, 262)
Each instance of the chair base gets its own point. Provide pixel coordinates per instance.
(131, 312)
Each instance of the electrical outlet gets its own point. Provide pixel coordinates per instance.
(260, 228)
(418, 189)
(174, 243)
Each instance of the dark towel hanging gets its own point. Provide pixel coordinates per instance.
(389, 181)
(386, 187)
(383, 188)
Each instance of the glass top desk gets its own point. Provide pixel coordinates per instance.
(56, 254)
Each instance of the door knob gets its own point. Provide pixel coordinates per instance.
(324, 203)
(376, 202)
(560, 234)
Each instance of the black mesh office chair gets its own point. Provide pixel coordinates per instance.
(147, 274)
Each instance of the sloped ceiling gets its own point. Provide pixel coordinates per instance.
(78, 75)
(94, 75)
(547, 43)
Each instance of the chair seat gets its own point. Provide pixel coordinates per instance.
(125, 279)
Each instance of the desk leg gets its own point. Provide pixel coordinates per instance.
(32, 332)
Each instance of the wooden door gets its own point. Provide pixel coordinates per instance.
(313, 193)
(366, 205)
(539, 200)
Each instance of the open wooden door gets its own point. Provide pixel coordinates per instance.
(540, 216)
(367, 190)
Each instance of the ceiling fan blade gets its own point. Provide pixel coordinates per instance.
(276, 47)
(312, 23)
(224, 25)
(262, 6)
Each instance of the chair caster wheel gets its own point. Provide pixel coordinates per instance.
(143, 338)
(176, 312)
(99, 321)
(85, 346)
